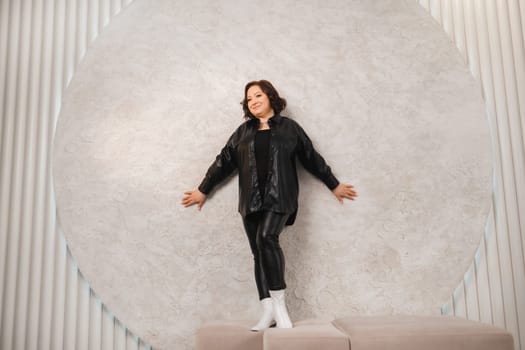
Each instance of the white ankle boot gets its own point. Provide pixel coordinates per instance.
(267, 319)
(280, 313)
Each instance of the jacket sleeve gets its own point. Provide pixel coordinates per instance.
(313, 161)
(223, 166)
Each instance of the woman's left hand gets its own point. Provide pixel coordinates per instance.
(344, 191)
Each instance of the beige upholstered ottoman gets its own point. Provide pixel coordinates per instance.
(306, 335)
(422, 333)
(228, 335)
(236, 335)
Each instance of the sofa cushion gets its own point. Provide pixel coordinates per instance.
(313, 334)
(422, 332)
(228, 335)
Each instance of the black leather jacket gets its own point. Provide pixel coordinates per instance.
(288, 142)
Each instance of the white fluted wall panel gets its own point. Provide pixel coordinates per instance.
(490, 36)
(44, 301)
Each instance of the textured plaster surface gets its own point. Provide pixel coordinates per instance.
(378, 87)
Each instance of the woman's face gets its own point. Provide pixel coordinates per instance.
(258, 102)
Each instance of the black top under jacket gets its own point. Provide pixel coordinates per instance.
(262, 156)
(288, 142)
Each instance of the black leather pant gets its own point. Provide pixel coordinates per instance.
(263, 229)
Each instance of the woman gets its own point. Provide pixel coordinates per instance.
(264, 150)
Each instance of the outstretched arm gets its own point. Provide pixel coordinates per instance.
(315, 164)
(313, 161)
(223, 166)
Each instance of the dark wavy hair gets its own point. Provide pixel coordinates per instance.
(277, 102)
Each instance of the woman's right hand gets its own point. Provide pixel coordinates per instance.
(193, 197)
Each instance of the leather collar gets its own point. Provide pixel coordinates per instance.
(276, 119)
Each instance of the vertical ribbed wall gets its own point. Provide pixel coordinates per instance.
(44, 301)
(490, 36)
